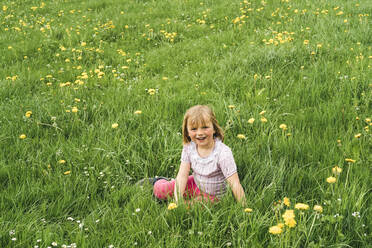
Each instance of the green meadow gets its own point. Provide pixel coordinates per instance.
(93, 95)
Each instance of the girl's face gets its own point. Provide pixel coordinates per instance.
(202, 134)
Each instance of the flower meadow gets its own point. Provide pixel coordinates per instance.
(92, 99)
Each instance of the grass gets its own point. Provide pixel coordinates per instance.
(82, 66)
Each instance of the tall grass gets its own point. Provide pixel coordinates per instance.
(81, 66)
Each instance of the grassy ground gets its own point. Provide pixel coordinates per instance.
(67, 174)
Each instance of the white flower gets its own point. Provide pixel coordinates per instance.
(149, 233)
(54, 244)
(11, 232)
(70, 218)
(14, 239)
(137, 210)
(200, 233)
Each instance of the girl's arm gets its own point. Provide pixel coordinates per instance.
(181, 181)
(236, 188)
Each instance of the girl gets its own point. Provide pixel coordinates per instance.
(211, 161)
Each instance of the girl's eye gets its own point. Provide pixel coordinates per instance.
(205, 127)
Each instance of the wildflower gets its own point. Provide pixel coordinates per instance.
(172, 206)
(350, 160)
(164, 78)
(262, 112)
(138, 112)
(336, 170)
(368, 120)
(62, 161)
(67, 173)
(151, 91)
(251, 120)
(22, 136)
(263, 120)
(74, 110)
(290, 222)
(306, 42)
(138, 210)
(286, 201)
(275, 230)
(115, 125)
(240, 136)
(301, 206)
(331, 180)
(283, 126)
(231, 106)
(54, 244)
(318, 208)
(288, 214)
(248, 210)
(357, 135)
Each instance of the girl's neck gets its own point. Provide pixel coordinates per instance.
(205, 151)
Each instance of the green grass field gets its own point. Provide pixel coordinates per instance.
(71, 70)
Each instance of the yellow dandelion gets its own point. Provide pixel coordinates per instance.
(350, 160)
(28, 114)
(262, 112)
(306, 42)
(283, 126)
(263, 120)
(248, 210)
(74, 110)
(151, 91)
(62, 161)
(115, 125)
(22, 136)
(358, 135)
(288, 214)
(251, 120)
(336, 170)
(138, 112)
(240, 136)
(164, 78)
(67, 173)
(172, 206)
(318, 208)
(368, 120)
(290, 222)
(301, 206)
(231, 106)
(331, 180)
(286, 201)
(275, 230)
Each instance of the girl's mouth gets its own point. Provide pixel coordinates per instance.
(201, 138)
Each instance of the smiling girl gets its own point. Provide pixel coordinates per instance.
(211, 161)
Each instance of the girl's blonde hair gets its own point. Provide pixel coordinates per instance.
(199, 115)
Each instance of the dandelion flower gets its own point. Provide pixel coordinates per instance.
(172, 206)
(336, 170)
(262, 112)
(164, 78)
(240, 136)
(74, 110)
(318, 208)
(22, 136)
(263, 120)
(67, 173)
(115, 125)
(28, 114)
(138, 112)
(331, 180)
(286, 201)
(248, 210)
(301, 206)
(275, 230)
(288, 214)
(151, 91)
(368, 120)
(283, 126)
(290, 222)
(350, 160)
(251, 120)
(358, 135)
(231, 106)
